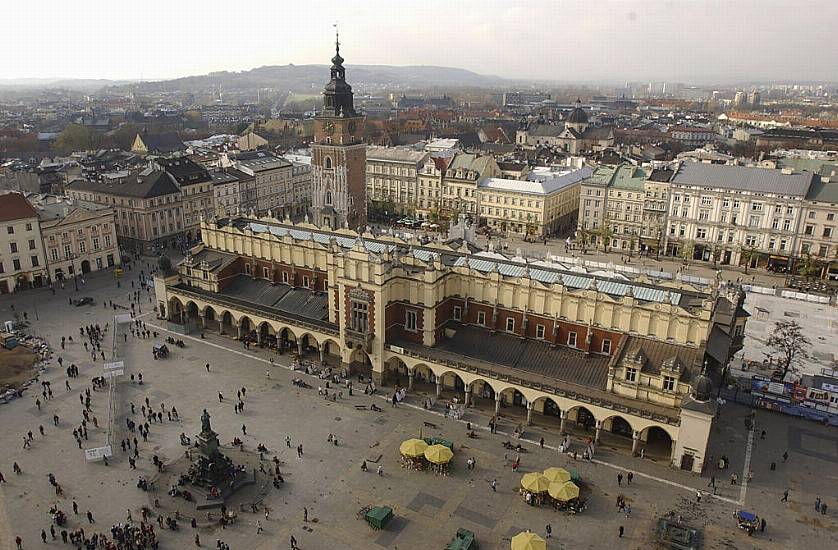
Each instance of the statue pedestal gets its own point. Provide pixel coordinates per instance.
(207, 443)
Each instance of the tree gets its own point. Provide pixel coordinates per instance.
(747, 253)
(808, 266)
(76, 137)
(687, 251)
(605, 233)
(789, 343)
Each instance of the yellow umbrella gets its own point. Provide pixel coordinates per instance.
(413, 448)
(535, 482)
(438, 454)
(528, 541)
(564, 491)
(557, 474)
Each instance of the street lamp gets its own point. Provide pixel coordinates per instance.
(73, 269)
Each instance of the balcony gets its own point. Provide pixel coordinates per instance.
(355, 338)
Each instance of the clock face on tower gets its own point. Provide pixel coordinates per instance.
(329, 127)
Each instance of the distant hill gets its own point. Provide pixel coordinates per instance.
(305, 78)
(80, 84)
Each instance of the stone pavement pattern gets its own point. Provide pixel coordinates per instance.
(328, 480)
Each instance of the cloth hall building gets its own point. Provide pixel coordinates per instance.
(599, 356)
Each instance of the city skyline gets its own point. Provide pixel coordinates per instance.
(713, 42)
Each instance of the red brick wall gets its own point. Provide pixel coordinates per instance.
(275, 270)
(394, 319)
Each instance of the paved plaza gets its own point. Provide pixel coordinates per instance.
(327, 480)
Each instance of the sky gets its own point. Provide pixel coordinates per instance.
(691, 41)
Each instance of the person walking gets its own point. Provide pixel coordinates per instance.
(494, 485)
(90, 517)
(698, 496)
(622, 530)
(619, 480)
(817, 502)
(549, 531)
(630, 477)
(305, 513)
(785, 496)
(785, 456)
(294, 543)
(244, 429)
(259, 527)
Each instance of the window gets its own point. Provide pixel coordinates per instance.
(631, 375)
(775, 223)
(458, 313)
(703, 215)
(510, 324)
(754, 221)
(95, 243)
(16, 264)
(266, 273)
(481, 318)
(812, 214)
(305, 281)
(358, 318)
(10, 230)
(756, 206)
(571, 339)
(35, 262)
(539, 331)
(701, 233)
(829, 217)
(606, 346)
(285, 277)
(54, 254)
(13, 247)
(410, 320)
(809, 230)
(706, 201)
(725, 203)
(668, 383)
(2, 269)
(827, 232)
(31, 244)
(82, 247)
(29, 227)
(247, 268)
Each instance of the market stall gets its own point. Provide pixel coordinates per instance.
(527, 540)
(439, 457)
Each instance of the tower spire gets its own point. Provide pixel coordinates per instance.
(337, 38)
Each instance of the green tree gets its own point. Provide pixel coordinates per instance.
(789, 342)
(605, 233)
(687, 251)
(746, 254)
(76, 137)
(808, 266)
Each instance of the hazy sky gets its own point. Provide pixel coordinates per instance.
(688, 40)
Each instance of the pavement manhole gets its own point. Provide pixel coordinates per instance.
(337, 418)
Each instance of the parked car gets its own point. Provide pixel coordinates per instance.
(83, 301)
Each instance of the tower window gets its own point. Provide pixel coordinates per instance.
(329, 198)
(327, 163)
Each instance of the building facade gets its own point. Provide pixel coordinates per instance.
(545, 203)
(736, 214)
(625, 362)
(392, 176)
(272, 179)
(22, 261)
(148, 207)
(78, 240)
(339, 192)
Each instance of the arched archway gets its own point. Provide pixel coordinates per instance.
(580, 420)
(210, 319)
(266, 335)
(193, 315)
(360, 364)
(396, 373)
(656, 442)
(308, 347)
(450, 382)
(286, 340)
(330, 352)
(247, 330)
(176, 311)
(85, 266)
(616, 431)
(227, 323)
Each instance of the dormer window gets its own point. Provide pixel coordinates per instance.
(668, 383)
(631, 375)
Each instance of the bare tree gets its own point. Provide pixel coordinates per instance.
(789, 343)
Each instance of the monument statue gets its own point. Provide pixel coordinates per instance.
(205, 422)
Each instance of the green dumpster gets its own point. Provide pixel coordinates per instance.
(463, 540)
(379, 516)
(439, 441)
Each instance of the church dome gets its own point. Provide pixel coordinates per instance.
(578, 114)
(703, 388)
